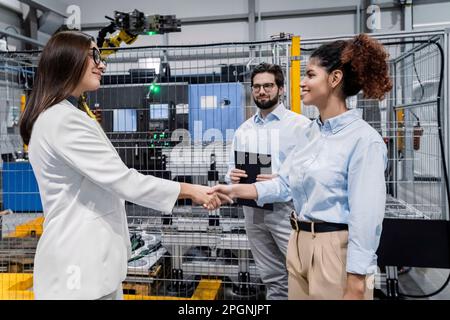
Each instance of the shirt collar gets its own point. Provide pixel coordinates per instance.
(276, 114)
(73, 100)
(339, 122)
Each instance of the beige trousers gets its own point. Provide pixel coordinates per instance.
(316, 266)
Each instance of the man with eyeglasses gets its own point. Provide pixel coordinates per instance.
(276, 130)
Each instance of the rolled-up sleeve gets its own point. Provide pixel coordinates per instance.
(367, 199)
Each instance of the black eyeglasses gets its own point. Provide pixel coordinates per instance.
(96, 55)
(267, 87)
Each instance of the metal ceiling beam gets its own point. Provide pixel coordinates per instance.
(55, 6)
(245, 17)
(194, 57)
(407, 18)
(215, 19)
(13, 6)
(22, 38)
(273, 14)
(30, 27)
(251, 20)
(308, 12)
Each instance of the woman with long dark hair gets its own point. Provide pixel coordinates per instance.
(83, 183)
(335, 176)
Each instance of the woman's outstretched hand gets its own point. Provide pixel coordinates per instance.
(224, 191)
(229, 192)
(204, 196)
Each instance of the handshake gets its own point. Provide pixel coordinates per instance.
(210, 198)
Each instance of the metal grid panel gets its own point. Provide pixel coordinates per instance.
(16, 254)
(149, 113)
(407, 120)
(146, 111)
(186, 110)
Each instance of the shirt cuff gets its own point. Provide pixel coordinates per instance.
(265, 190)
(360, 261)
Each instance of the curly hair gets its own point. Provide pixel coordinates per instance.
(363, 61)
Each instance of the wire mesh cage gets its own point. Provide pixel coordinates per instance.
(407, 119)
(171, 112)
(416, 183)
(18, 197)
(413, 121)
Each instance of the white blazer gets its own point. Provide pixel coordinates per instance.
(83, 183)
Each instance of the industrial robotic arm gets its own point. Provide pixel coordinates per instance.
(130, 26)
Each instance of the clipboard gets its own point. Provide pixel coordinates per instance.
(253, 164)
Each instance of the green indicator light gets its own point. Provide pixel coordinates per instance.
(151, 33)
(154, 88)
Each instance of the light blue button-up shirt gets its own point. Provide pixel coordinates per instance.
(276, 134)
(337, 175)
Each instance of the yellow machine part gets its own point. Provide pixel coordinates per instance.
(115, 41)
(33, 228)
(400, 113)
(18, 286)
(295, 75)
(86, 108)
(23, 103)
(206, 290)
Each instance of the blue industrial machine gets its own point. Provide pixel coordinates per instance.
(217, 106)
(20, 189)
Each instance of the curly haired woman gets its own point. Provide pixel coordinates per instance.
(335, 176)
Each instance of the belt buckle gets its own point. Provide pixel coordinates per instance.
(294, 222)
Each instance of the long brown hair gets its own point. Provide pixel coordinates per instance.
(62, 64)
